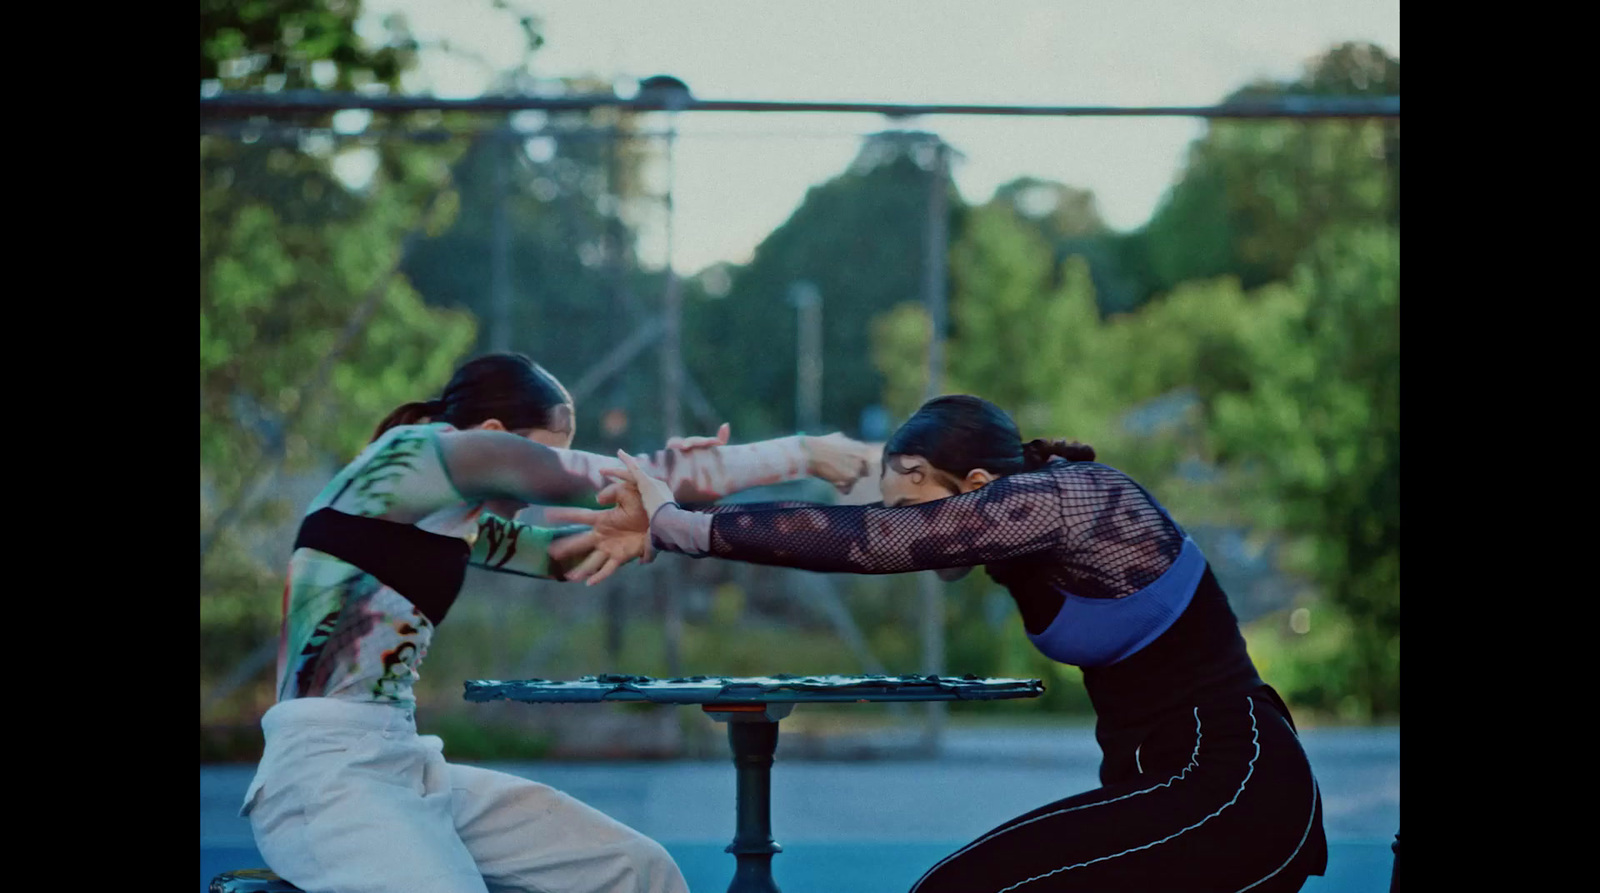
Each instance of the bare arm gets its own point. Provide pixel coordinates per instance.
(498, 465)
(1097, 525)
(1015, 516)
(711, 473)
(702, 475)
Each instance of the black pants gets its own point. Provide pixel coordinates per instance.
(1224, 801)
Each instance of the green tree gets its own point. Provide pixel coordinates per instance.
(307, 336)
(569, 196)
(1255, 194)
(297, 45)
(1294, 391)
(1318, 437)
(1015, 311)
(1069, 219)
(860, 239)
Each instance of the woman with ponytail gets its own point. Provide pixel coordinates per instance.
(348, 798)
(1204, 784)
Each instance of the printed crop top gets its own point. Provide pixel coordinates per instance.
(383, 549)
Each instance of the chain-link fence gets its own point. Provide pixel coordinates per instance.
(1237, 352)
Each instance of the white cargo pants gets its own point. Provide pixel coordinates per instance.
(350, 799)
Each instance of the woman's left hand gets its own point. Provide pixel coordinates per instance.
(840, 460)
(621, 533)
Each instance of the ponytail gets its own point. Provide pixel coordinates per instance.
(959, 432)
(1037, 453)
(509, 387)
(409, 414)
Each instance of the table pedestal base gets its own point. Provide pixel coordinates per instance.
(753, 737)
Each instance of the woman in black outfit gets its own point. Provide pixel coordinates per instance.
(1204, 784)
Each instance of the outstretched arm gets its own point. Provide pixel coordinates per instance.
(499, 465)
(728, 508)
(1016, 515)
(708, 473)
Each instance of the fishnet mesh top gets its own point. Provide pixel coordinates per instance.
(1078, 527)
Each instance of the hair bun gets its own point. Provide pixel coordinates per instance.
(1038, 452)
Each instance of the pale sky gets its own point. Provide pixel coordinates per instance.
(740, 175)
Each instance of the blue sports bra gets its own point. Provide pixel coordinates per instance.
(1098, 632)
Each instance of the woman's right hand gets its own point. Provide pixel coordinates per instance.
(840, 460)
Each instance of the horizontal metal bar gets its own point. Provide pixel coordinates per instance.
(235, 104)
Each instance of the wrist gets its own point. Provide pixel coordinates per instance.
(676, 530)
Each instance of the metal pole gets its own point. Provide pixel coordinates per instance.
(672, 318)
(753, 744)
(753, 738)
(500, 257)
(671, 409)
(933, 271)
(616, 260)
(1394, 873)
(247, 104)
(808, 356)
(933, 281)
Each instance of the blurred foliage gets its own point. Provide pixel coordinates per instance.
(859, 238)
(1313, 669)
(278, 45)
(290, 254)
(1274, 357)
(1256, 194)
(573, 197)
(1318, 435)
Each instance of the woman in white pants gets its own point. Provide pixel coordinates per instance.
(348, 798)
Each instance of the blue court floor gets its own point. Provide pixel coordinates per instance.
(878, 825)
(865, 867)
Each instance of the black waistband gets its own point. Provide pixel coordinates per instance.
(1202, 657)
(427, 568)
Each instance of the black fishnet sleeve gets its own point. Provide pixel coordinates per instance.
(728, 508)
(1012, 517)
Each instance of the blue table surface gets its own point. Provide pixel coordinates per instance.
(753, 689)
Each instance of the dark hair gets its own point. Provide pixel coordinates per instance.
(505, 386)
(958, 432)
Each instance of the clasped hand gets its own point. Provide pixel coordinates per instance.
(622, 533)
(618, 534)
